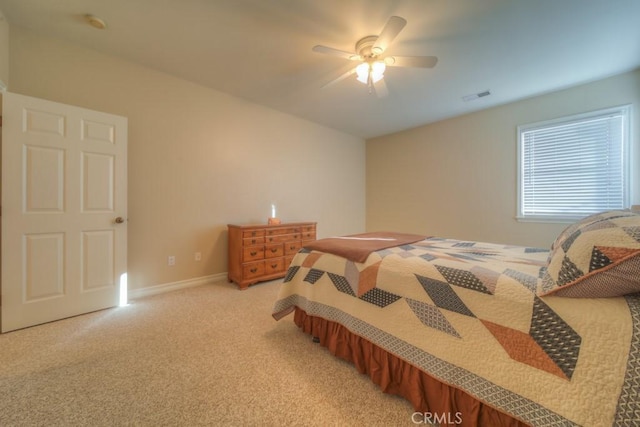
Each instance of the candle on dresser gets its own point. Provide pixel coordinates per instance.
(273, 220)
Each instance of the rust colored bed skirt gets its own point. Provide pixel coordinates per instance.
(429, 397)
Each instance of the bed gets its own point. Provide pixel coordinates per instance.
(475, 333)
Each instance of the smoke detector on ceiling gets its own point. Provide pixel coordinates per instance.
(95, 22)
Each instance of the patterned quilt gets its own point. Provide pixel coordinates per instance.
(467, 313)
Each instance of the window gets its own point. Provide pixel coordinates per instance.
(575, 166)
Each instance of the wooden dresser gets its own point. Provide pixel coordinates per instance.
(260, 252)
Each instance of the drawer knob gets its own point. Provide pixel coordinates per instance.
(254, 253)
(274, 265)
(253, 270)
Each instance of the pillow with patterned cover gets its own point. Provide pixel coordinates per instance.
(598, 256)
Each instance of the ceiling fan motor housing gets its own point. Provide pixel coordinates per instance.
(364, 47)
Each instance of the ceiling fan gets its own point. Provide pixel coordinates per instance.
(370, 53)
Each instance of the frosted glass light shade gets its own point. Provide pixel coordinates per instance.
(377, 71)
(373, 69)
(362, 71)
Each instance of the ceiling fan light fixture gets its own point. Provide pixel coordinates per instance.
(362, 71)
(369, 52)
(377, 71)
(370, 72)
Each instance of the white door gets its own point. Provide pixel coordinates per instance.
(64, 210)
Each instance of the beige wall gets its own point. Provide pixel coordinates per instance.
(457, 178)
(4, 51)
(199, 159)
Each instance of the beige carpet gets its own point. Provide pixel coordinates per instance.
(210, 355)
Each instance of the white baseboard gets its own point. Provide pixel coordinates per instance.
(168, 287)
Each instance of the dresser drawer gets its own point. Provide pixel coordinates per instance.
(308, 229)
(276, 231)
(309, 235)
(294, 230)
(283, 238)
(275, 265)
(252, 233)
(252, 270)
(252, 253)
(292, 247)
(250, 241)
(273, 250)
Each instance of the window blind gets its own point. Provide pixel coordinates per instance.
(575, 167)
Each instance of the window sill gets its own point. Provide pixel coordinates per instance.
(549, 220)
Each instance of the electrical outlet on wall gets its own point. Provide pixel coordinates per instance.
(171, 260)
(197, 256)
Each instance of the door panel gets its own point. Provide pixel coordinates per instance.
(43, 260)
(35, 121)
(99, 132)
(98, 173)
(97, 259)
(63, 184)
(44, 176)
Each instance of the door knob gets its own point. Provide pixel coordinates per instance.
(119, 220)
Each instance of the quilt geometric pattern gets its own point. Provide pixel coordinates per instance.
(313, 276)
(341, 283)
(550, 344)
(443, 296)
(628, 404)
(462, 278)
(290, 273)
(380, 297)
(555, 337)
(431, 315)
(595, 256)
(530, 282)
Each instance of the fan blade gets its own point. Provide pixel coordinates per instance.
(411, 61)
(394, 25)
(339, 78)
(336, 52)
(381, 88)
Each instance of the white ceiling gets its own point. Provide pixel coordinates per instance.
(260, 50)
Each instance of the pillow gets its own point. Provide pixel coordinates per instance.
(598, 256)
